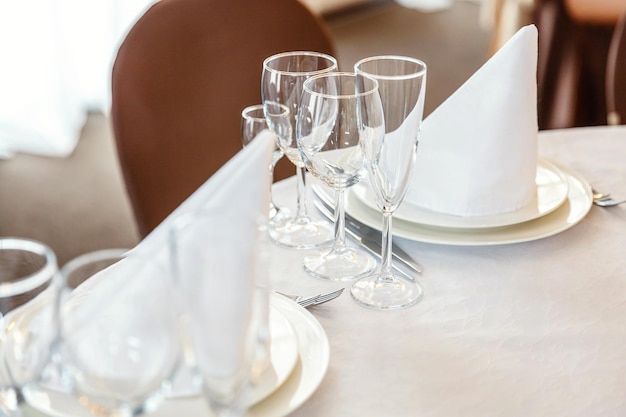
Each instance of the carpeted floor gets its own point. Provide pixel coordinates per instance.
(450, 42)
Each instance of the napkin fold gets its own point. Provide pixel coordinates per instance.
(477, 152)
(241, 186)
(217, 270)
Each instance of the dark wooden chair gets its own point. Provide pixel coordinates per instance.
(616, 76)
(180, 80)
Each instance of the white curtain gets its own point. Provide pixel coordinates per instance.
(55, 66)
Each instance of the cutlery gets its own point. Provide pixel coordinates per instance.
(597, 195)
(324, 298)
(363, 234)
(608, 202)
(313, 300)
(303, 301)
(372, 246)
(604, 200)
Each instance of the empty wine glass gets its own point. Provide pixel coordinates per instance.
(119, 345)
(329, 134)
(221, 269)
(253, 122)
(283, 77)
(29, 281)
(389, 161)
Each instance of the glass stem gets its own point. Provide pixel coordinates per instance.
(386, 243)
(301, 215)
(340, 220)
(273, 207)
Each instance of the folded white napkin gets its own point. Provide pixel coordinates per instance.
(477, 152)
(220, 273)
(240, 187)
(221, 267)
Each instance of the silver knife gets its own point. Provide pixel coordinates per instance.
(366, 236)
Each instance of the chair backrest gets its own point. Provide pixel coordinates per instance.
(181, 78)
(616, 75)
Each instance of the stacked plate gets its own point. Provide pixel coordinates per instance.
(298, 362)
(563, 199)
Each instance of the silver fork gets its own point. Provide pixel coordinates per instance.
(604, 200)
(324, 298)
(312, 300)
(597, 195)
(608, 202)
(304, 301)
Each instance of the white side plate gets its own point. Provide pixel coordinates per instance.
(552, 190)
(572, 211)
(307, 374)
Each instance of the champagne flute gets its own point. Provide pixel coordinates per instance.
(329, 135)
(119, 345)
(282, 80)
(389, 160)
(29, 281)
(253, 122)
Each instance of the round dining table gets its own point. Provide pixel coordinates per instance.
(532, 328)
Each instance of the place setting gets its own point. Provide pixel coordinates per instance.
(184, 322)
(480, 181)
(299, 357)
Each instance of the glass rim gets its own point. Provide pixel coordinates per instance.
(415, 74)
(36, 279)
(245, 113)
(370, 91)
(274, 57)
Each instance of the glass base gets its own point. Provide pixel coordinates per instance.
(383, 292)
(344, 264)
(279, 215)
(301, 233)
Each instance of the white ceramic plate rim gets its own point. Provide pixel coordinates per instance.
(570, 213)
(308, 373)
(552, 190)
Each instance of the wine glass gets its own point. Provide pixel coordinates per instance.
(253, 122)
(29, 281)
(329, 136)
(282, 80)
(220, 264)
(389, 160)
(119, 345)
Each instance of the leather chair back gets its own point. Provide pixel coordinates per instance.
(181, 78)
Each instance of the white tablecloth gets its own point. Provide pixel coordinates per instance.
(528, 329)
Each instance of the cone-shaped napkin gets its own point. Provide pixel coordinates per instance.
(240, 188)
(477, 152)
(215, 275)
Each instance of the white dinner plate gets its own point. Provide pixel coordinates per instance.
(307, 374)
(552, 190)
(572, 211)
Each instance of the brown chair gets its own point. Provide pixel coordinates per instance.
(616, 76)
(181, 78)
(571, 65)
